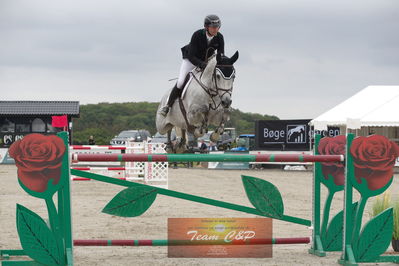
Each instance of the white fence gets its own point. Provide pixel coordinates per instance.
(151, 173)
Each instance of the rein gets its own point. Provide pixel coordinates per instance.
(213, 93)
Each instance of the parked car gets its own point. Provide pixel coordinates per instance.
(231, 131)
(225, 141)
(134, 135)
(159, 138)
(245, 142)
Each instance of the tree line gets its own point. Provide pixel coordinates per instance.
(105, 120)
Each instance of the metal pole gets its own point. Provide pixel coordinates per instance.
(166, 242)
(206, 158)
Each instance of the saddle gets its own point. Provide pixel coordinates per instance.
(188, 80)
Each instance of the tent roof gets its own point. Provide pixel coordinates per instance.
(372, 106)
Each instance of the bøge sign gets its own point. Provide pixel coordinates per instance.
(287, 134)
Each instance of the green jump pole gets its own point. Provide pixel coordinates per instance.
(206, 158)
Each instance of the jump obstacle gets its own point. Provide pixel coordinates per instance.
(166, 242)
(150, 173)
(103, 147)
(206, 158)
(97, 169)
(88, 179)
(342, 229)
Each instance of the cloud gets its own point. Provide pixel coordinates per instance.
(311, 54)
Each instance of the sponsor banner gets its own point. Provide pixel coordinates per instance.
(6, 139)
(286, 135)
(220, 237)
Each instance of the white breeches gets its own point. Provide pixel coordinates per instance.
(185, 68)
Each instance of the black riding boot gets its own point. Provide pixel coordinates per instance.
(174, 94)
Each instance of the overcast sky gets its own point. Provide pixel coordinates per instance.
(297, 58)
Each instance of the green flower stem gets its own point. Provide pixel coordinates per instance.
(358, 218)
(54, 223)
(326, 212)
(190, 197)
(52, 214)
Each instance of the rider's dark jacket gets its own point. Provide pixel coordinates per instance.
(195, 51)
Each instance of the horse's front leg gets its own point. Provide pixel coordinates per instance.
(220, 129)
(216, 134)
(226, 115)
(203, 128)
(198, 117)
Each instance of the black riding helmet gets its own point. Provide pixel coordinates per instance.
(212, 21)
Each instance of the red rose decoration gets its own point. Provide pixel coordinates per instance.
(374, 158)
(38, 159)
(333, 146)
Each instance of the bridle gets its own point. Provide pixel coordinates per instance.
(213, 93)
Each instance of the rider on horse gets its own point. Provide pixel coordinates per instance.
(195, 54)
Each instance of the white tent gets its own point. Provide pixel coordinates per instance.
(374, 106)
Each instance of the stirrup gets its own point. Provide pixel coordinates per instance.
(164, 110)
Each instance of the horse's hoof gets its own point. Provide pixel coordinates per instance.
(214, 137)
(197, 133)
(181, 149)
(169, 148)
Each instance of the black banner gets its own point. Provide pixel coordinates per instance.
(287, 135)
(6, 139)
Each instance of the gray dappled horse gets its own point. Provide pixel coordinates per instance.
(205, 101)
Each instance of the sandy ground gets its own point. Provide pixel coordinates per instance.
(89, 223)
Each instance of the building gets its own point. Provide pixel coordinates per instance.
(20, 118)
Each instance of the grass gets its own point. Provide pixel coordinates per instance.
(380, 203)
(383, 202)
(395, 233)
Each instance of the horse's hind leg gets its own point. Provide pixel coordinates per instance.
(169, 145)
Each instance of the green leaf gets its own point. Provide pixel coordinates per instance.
(264, 196)
(332, 241)
(131, 202)
(375, 237)
(37, 240)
